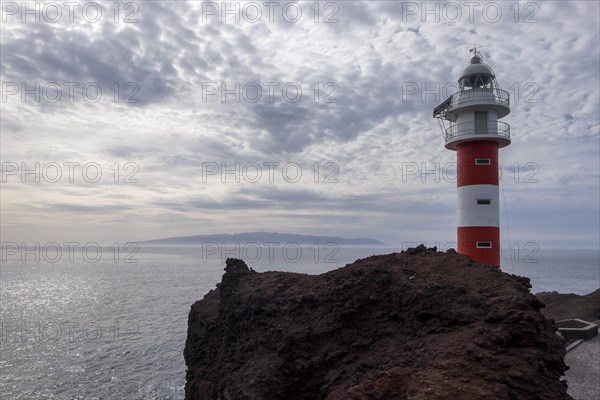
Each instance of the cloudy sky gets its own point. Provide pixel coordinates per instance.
(164, 118)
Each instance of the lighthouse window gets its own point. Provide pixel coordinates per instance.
(483, 161)
(484, 202)
(484, 245)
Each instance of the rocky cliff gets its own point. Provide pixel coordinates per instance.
(413, 325)
(565, 306)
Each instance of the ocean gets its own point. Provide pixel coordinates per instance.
(113, 325)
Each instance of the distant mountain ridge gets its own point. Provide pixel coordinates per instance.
(263, 237)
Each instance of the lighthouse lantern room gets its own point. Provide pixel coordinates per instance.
(476, 133)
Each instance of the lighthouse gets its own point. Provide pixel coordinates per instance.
(471, 126)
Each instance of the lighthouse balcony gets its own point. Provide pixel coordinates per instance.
(497, 131)
(472, 99)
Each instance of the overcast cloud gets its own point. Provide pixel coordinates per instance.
(370, 75)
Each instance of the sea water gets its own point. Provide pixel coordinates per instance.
(114, 327)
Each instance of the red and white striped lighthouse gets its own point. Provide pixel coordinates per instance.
(476, 133)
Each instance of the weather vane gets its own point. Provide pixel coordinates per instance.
(476, 52)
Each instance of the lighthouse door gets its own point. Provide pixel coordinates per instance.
(481, 122)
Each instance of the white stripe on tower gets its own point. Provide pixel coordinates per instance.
(470, 213)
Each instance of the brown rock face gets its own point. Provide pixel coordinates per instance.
(566, 306)
(424, 325)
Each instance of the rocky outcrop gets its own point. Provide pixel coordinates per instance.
(414, 325)
(566, 306)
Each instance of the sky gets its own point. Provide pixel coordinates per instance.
(140, 120)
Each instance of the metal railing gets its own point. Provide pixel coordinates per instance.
(480, 95)
(497, 128)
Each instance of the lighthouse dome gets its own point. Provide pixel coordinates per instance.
(476, 74)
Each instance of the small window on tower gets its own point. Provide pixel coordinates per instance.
(484, 245)
(483, 161)
(484, 202)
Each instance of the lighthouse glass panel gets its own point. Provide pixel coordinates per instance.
(484, 245)
(483, 161)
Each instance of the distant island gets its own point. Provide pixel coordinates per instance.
(262, 237)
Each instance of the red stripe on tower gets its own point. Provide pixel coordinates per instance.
(472, 163)
(476, 134)
(469, 237)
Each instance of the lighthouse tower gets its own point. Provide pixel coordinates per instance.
(476, 133)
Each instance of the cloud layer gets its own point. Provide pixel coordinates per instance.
(192, 101)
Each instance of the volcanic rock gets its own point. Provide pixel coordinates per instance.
(567, 306)
(424, 325)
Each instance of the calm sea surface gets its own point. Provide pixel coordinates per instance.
(83, 328)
